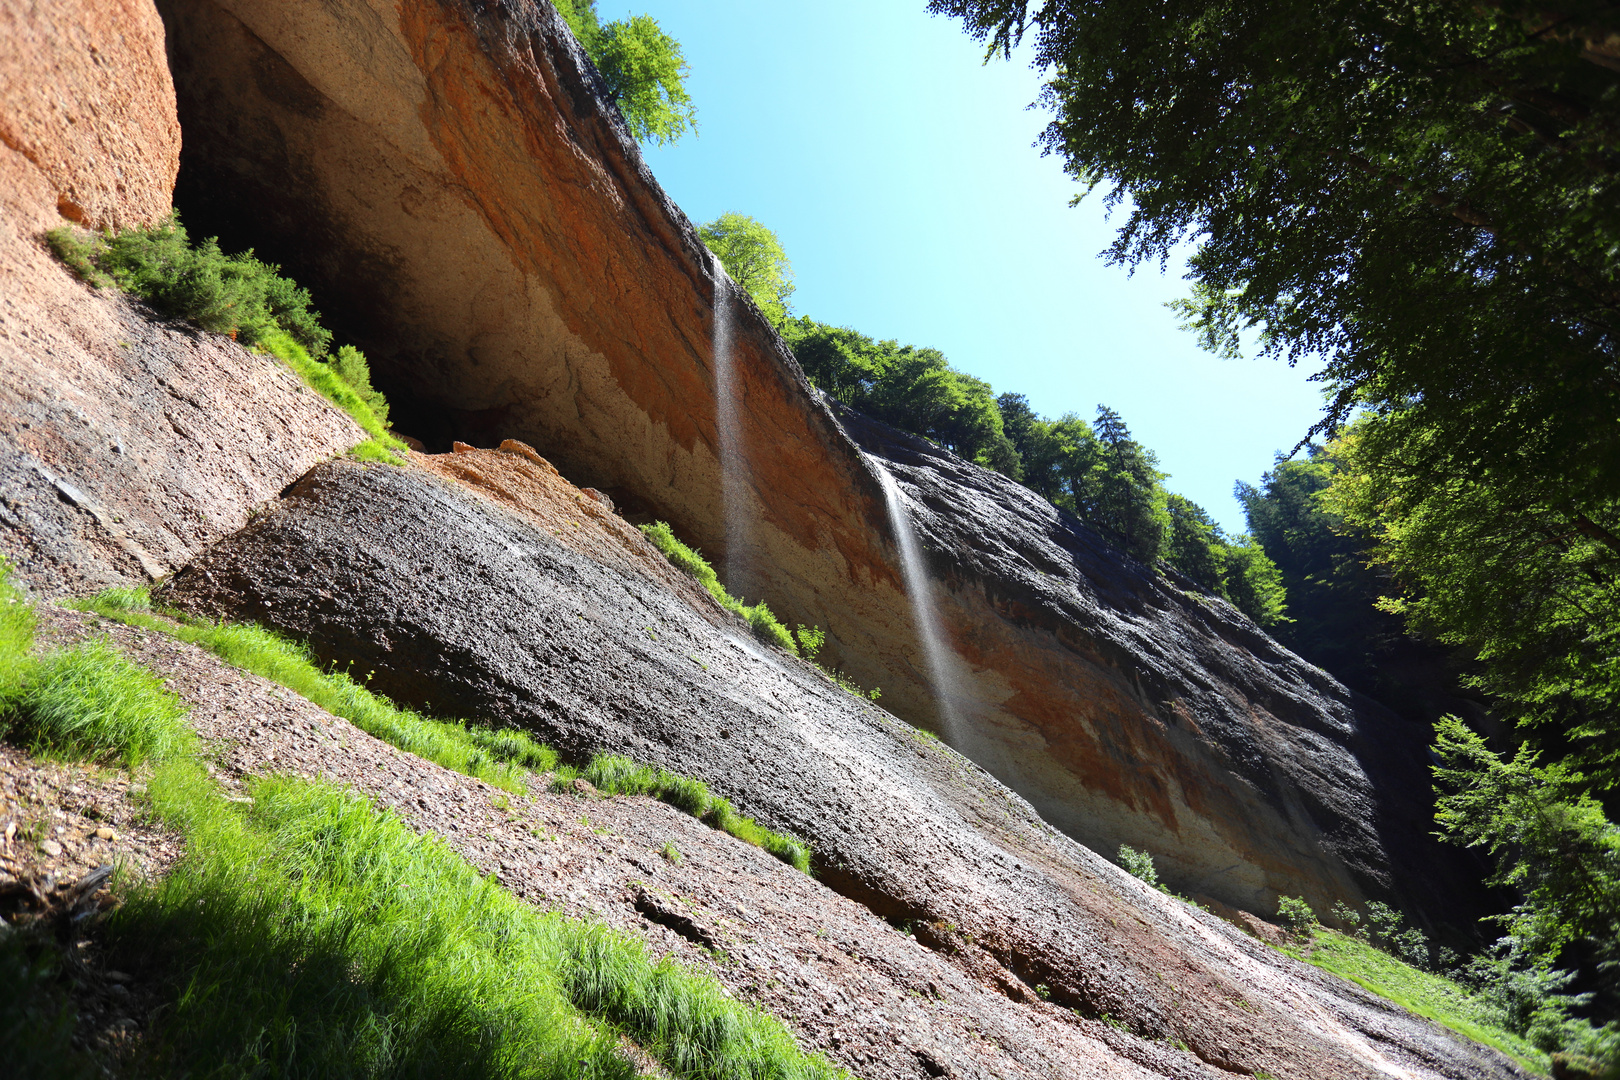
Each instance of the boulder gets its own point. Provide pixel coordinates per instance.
(511, 600)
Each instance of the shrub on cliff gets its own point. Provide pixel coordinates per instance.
(236, 295)
(642, 66)
(227, 294)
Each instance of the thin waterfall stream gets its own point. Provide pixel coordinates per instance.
(733, 451)
(941, 661)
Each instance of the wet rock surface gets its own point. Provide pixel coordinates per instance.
(127, 445)
(1131, 707)
(467, 607)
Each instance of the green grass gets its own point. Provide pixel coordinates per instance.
(83, 702)
(1434, 996)
(502, 758)
(614, 774)
(90, 702)
(308, 934)
(361, 402)
(36, 1013)
(765, 625)
(499, 757)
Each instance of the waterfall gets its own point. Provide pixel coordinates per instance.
(728, 421)
(937, 654)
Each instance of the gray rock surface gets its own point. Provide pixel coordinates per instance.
(463, 607)
(1180, 726)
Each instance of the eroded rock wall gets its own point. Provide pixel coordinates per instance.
(447, 176)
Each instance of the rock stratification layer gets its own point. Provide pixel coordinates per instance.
(450, 179)
(464, 602)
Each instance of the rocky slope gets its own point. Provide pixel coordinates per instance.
(450, 180)
(492, 235)
(460, 602)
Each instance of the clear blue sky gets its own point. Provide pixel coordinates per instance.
(900, 174)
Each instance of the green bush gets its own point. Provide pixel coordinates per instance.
(1138, 864)
(236, 295)
(227, 294)
(331, 382)
(1295, 914)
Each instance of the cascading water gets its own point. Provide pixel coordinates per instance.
(733, 453)
(941, 661)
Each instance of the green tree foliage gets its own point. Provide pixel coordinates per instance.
(1553, 843)
(642, 66)
(1424, 196)
(1551, 838)
(1510, 570)
(755, 259)
(1121, 491)
(915, 389)
(1097, 472)
(1332, 592)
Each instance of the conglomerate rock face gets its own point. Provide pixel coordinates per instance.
(87, 123)
(126, 445)
(449, 179)
(461, 601)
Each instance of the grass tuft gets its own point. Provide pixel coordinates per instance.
(501, 758)
(309, 934)
(363, 404)
(1434, 996)
(90, 702)
(614, 774)
(85, 702)
(765, 625)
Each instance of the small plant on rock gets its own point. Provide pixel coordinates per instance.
(1295, 915)
(1138, 864)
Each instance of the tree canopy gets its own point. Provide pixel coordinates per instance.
(642, 66)
(753, 256)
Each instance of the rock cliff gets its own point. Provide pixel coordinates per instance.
(447, 173)
(126, 445)
(449, 179)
